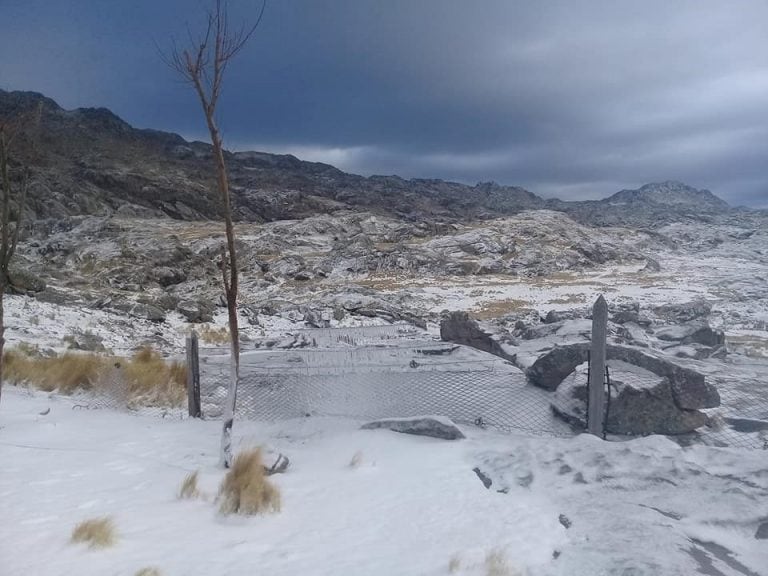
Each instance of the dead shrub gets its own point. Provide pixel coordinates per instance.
(148, 571)
(212, 335)
(68, 372)
(496, 565)
(188, 489)
(246, 489)
(357, 459)
(148, 378)
(95, 532)
(152, 381)
(454, 564)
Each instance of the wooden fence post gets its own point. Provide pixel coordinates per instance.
(193, 376)
(596, 417)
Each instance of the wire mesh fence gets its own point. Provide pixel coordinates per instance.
(405, 378)
(379, 372)
(481, 397)
(397, 371)
(683, 406)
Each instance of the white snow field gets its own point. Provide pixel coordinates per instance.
(409, 506)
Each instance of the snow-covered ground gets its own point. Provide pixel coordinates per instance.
(411, 505)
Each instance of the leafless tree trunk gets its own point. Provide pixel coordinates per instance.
(12, 192)
(203, 64)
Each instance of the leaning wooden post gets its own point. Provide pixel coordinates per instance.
(597, 367)
(193, 376)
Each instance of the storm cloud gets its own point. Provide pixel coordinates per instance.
(569, 99)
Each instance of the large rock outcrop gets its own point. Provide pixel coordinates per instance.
(690, 390)
(642, 403)
(653, 395)
(459, 327)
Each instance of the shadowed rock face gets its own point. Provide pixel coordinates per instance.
(640, 405)
(690, 390)
(668, 403)
(91, 162)
(460, 328)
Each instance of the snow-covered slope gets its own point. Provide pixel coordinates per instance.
(410, 505)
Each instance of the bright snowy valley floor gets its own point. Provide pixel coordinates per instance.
(410, 505)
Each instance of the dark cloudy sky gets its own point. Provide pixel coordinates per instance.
(575, 99)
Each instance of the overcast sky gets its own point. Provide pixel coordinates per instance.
(575, 99)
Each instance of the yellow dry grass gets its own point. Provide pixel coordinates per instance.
(149, 379)
(154, 382)
(569, 299)
(188, 489)
(148, 571)
(246, 489)
(496, 564)
(497, 308)
(95, 532)
(212, 335)
(67, 373)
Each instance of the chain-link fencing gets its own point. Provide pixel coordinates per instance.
(387, 372)
(681, 405)
(388, 376)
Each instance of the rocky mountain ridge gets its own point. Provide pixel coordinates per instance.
(90, 162)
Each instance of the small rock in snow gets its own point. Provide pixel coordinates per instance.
(487, 482)
(762, 531)
(421, 426)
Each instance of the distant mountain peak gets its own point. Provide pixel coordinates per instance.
(670, 193)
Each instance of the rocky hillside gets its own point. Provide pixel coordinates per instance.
(652, 205)
(90, 162)
(150, 266)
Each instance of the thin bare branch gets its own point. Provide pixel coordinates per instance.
(203, 64)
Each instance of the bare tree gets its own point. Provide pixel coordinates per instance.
(13, 188)
(202, 64)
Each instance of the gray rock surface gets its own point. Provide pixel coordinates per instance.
(84, 341)
(762, 531)
(434, 427)
(689, 389)
(459, 327)
(24, 281)
(697, 332)
(685, 312)
(642, 403)
(139, 310)
(195, 310)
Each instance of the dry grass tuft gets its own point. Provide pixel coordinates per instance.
(496, 565)
(188, 489)
(569, 299)
(68, 372)
(95, 532)
(246, 489)
(499, 308)
(152, 381)
(212, 335)
(357, 459)
(148, 378)
(454, 564)
(148, 571)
